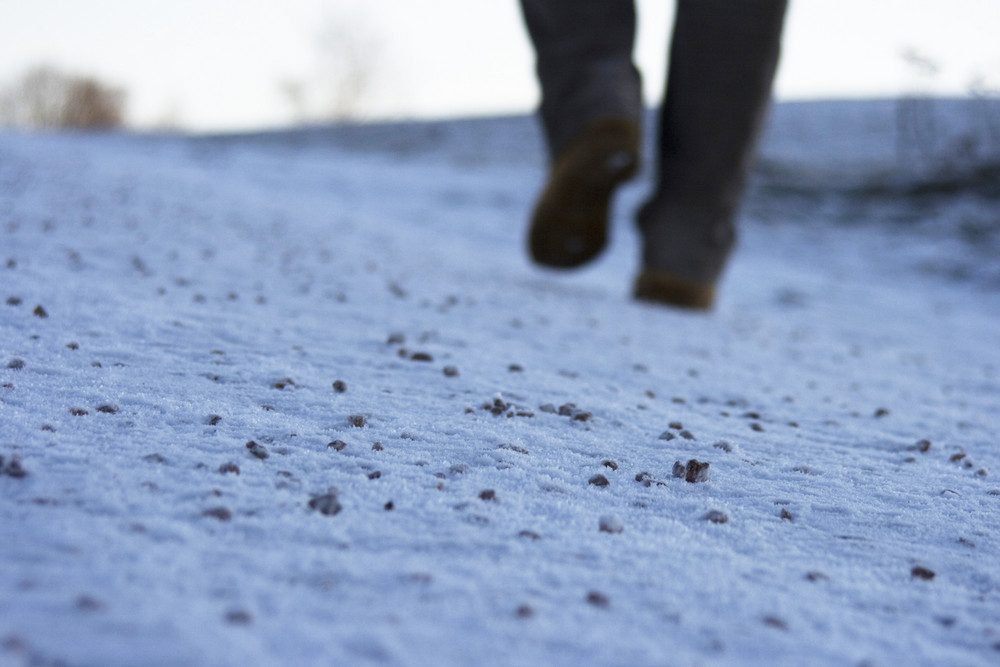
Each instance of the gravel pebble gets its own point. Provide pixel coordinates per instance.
(239, 617)
(599, 480)
(610, 523)
(715, 516)
(326, 504)
(220, 513)
(694, 471)
(598, 599)
(260, 451)
(13, 468)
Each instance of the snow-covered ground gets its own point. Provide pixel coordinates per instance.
(468, 460)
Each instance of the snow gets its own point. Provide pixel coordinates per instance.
(201, 293)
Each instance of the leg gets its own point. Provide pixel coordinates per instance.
(722, 63)
(591, 111)
(584, 64)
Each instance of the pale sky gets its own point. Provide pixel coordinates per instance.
(223, 64)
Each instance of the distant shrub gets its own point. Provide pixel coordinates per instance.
(46, 98)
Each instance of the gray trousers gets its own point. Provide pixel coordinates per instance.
(722, 62)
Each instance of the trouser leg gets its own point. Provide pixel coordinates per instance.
(722, 63)
(584, 63)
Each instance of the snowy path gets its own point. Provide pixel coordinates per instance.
(166, 301)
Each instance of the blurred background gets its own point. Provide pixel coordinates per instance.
(228, 65)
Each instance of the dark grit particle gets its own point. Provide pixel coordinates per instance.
(229, 467)
(39, 311)
(610, 523)
(610, 464)
(715, 516)
(421, 356)
(450, 371)
(375, 474)
(919, 572)
(15, 364)
(260, 451)
(326, 504)
(339, 386)
(524, 611)
(13, 468)
(786, 515)
(220, 513)
(213, 420)
(89, 603)
(488, 494)
(598, 599)
(357, 421)
(337, 445)
(694, 471)
(775, 622)
(238, 617)
(108, 409)
(599, 480)
(496, 407)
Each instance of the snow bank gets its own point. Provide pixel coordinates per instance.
(460, 459)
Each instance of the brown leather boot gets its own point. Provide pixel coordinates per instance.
(570, 223)
(685, 248)
(665, 288)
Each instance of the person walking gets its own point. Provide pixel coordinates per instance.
(722, 61)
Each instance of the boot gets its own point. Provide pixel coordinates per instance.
(570, 224)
